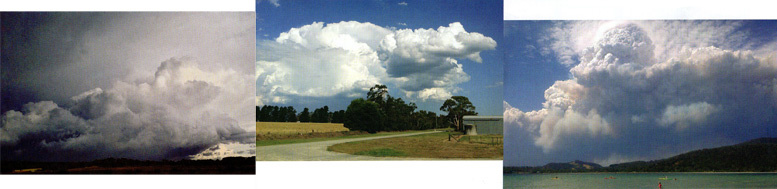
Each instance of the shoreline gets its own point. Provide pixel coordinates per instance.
(774, 172)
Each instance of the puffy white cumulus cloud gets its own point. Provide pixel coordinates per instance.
(568, 40)
(623, 103)
(430, 93)
(523, 120)
(426, 58)
(684, 115)
(319, 61)
(559, 124)
(324, 60)
(179, 112)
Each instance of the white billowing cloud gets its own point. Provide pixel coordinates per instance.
(349, 57)
(623, 99)
(426, 58)
(569, 39)
(317, 61)
(181, 111)
(430, 93)
(685, 115)
(523, 120)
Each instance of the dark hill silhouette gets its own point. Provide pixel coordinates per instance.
(228, 165)
(758, 155)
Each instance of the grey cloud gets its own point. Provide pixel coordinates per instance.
(54, 56)
(168, 118)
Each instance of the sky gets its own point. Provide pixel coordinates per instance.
(150, 86)
(316, 53)
(619, 91)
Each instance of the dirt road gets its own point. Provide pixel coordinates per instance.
(316, 151)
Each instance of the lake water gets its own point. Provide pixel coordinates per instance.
(642, 180)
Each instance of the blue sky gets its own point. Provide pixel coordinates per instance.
(526, 61)
(618, 91)
(483, 86)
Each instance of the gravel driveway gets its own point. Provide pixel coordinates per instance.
(316, 151)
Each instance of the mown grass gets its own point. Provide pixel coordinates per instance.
(284, 128)
(482, 139)
(382, 152)
(435, 145)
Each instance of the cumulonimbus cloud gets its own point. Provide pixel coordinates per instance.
(176, 114)
(568, 39)
(348, 57)
(626, 101)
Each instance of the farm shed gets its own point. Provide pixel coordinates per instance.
(485, 124)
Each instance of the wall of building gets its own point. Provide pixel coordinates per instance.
(486, 124)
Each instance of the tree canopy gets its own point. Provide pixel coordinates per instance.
(363, 115)
(457, 107)
(269, 113)
(395, 113)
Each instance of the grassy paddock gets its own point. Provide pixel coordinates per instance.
(304, 140)
(435, 145)
(483, 139)
(285, 128)
(303, 129)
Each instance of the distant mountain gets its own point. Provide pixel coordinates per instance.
(758, 155)
(576, 165)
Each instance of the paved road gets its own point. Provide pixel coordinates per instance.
(316, 151)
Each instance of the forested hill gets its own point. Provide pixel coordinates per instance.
(574, 166)
(758, 155)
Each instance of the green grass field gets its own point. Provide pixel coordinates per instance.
(435, 145)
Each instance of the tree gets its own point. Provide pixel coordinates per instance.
(321, 115)
(277, 116)
(259, 113)
(424, 120)
(457, 107)
(378, 94)
(263, 114)
(305, 115)
(291, 114)
(398, 114)
(266, 113)
(338, 116)
(363, 115)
